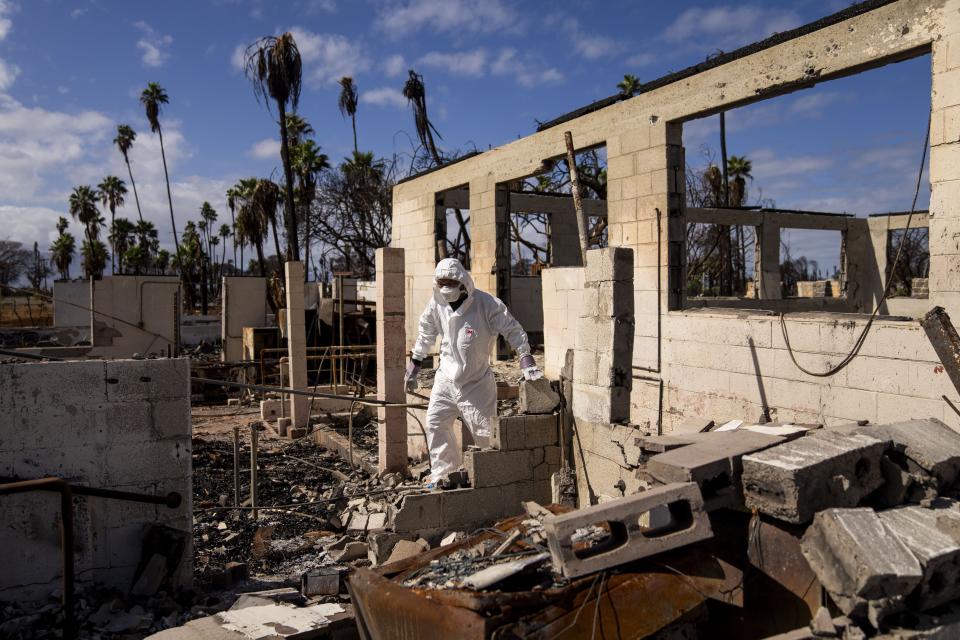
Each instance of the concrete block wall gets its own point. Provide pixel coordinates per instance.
(135, 314)
(244, 304)
(121, 424)
(526, 296)
(391, 360)
(71, 304)
(562, 298)
(518, 468)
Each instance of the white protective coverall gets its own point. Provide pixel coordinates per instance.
(464, 385)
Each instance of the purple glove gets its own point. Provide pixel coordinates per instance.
(530, 369)
(410, 377)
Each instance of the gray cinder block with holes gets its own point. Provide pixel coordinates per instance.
(634, 527)
(795, 480)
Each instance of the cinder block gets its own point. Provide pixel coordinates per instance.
(929, 444)
(926, 532)
(270, 409)
(825, 469)
(713, 462)
(471, 507)
(868, 571)
(492, 468)
(680, 506)
(418, 512)
(158, 379)
(538, 396)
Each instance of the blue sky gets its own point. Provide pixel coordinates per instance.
(70, 71)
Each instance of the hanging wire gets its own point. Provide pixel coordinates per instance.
(858, 344)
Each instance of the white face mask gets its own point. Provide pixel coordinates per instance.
(450, 294)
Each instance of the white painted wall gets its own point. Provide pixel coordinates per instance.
(244, 304)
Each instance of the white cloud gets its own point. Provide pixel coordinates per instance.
(384, 97)
(590, 46)
(641, 59)
(8, 73)
(523, 69)
(727, 27)
(238, 58)
(394, 65)
(405, 17)
(320, 6)
(6, 24)
(327, 57)
(76, 13)
(462, 63)
(265, 149)
(153, 44)
(768, 164)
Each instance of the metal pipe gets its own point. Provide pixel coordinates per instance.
(372, 402)
(253, 468)
(172, 499)
(66, 538)
(236, 465)
(342, 312)
(28, 356)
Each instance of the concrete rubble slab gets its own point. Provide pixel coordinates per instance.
(825, 469)
(713, 462)
(678, 504)
(868, 571)
(926, 532)
(538, 397)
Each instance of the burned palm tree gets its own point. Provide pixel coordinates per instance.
(348, 105)
(273, 66)
(152, 98)
(416, 94)
(124, 141)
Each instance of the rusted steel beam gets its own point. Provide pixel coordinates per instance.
(943, 336)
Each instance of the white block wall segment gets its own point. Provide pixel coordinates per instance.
(121, 424)
(391, 359)
(244, 304)
(297, 345)
(135, 315)
(71, 304)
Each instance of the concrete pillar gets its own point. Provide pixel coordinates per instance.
(602, 376)
(297, 345)
(391, 356)
(767, 278)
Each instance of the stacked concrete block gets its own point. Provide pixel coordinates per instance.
(602, 375)
(713, 461)
(929, 533)
(795, 480)
(391, 356)
(562, 301)
(297, 345)
(270, 409)
(243, 304)
(121, 424)
(867, 570)
(684, 522)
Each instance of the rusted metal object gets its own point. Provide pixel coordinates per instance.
(636, 600)
(943, 336)
(67, 491)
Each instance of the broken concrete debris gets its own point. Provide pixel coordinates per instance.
(538, 397)
(797, 479)
(867, 571)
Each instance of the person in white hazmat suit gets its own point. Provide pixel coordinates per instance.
(467, 322)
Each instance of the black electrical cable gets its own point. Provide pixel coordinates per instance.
(858, 344)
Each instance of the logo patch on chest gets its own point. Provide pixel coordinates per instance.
(469, 332)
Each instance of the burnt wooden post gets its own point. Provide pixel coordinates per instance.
(943, 336)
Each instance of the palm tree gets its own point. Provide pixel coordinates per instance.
(739, 168)
(94, 255)
(162, 261)
(62, 225)
(629, 86)
(232, 194)
(308, 163)
(112, 189)
(416, 94)
(152, 98)
(208, 215)
(63, 250)
(121, 237)
(124, 141)
(251, 225)
(273, 65)
(83, 208)
(297, 129)
(348, 104)
(224, 234)
(266, 199)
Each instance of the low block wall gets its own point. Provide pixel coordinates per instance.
(121, 424)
